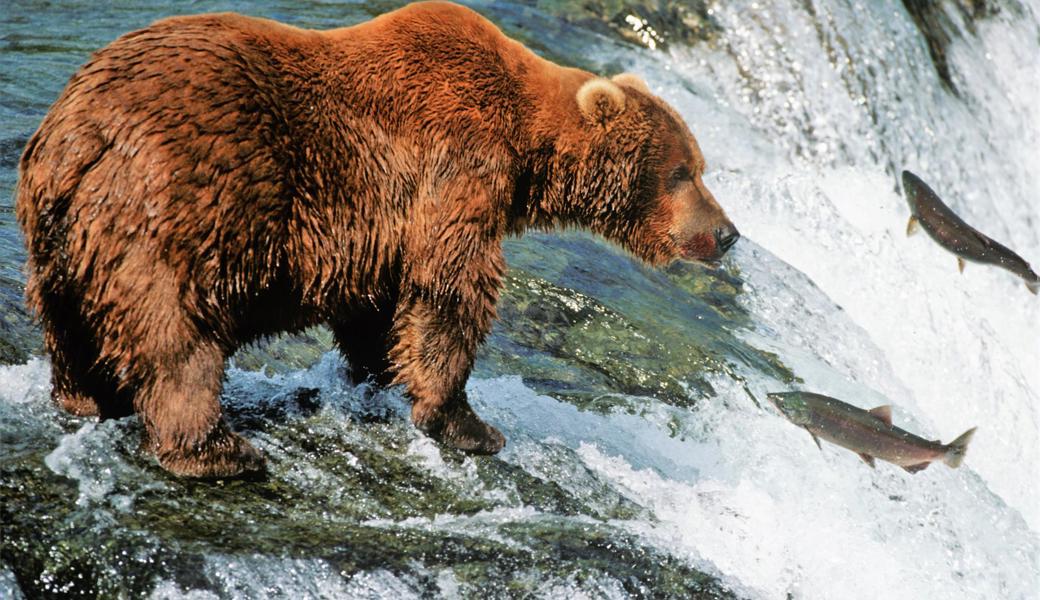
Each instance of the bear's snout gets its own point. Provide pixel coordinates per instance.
(709, 247)
(725, 237)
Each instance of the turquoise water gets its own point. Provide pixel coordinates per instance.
(642, 460)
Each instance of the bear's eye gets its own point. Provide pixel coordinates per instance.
(679, 175)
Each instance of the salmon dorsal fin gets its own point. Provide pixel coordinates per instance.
(868, 459)
(882, 413)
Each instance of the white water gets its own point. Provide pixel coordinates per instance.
(964, 349)
(740, 492)
(800, 166)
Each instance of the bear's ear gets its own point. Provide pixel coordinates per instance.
(600, 100)
(633, 81)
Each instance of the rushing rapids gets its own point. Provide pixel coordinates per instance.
(644, 458)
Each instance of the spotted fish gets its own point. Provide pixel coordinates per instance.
(929, 212)
(869, 433)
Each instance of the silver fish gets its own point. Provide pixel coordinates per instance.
(952, 233)
(869, 433)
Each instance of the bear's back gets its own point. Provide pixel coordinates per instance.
(181, 89)
(209, 82)
(200, 137)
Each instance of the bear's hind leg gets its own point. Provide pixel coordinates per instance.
(80, 385)
(364, 340)
(83, 387)
(179, 405)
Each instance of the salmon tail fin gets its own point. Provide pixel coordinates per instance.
(1033, 286)
(955, 450)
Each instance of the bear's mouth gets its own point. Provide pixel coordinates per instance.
(708, 248)
(701, 248)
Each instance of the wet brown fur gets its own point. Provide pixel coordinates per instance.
(213, 179)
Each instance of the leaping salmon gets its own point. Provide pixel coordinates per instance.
(869, 433)
(952, 233)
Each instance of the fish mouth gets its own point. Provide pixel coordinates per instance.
(776, 399)
(911, 181)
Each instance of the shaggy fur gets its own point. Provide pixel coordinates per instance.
(212, 179)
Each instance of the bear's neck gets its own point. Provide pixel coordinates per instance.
(550, 142)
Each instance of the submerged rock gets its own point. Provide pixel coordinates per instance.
(590, 325)
(345, 503)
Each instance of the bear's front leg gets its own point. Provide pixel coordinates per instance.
(433, 357)
(453, 271)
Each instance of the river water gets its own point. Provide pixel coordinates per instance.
(643, 459)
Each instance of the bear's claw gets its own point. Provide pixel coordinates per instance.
(231, 456)
(461, 428)
(475, 438)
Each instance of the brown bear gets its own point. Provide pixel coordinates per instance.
(213, 179)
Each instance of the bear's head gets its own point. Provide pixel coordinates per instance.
(637, 175)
